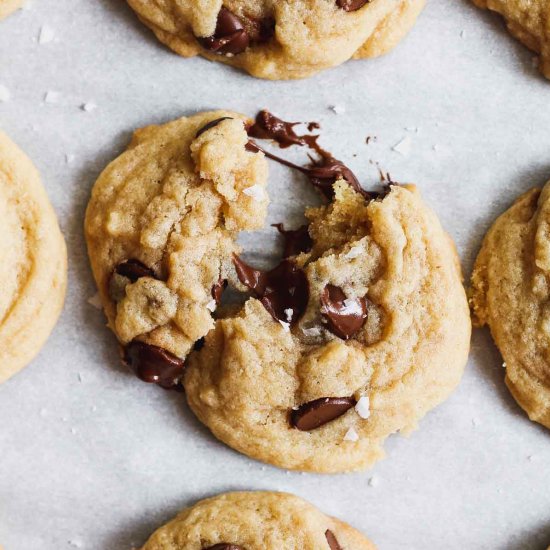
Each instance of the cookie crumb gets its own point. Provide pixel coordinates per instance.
(46, 35)
(351, 435)
(403, 147)
(95, 301)
(5, 94)
(362, 408)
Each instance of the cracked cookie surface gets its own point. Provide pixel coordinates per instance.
(300, 396)
(256, 521)
(161, 227)
(529, 22)
(511, 294)
(279, 39)
(34, 261)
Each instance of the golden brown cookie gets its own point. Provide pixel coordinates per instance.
(510, 294)
(34, 261)
(529, 22)
(161, 228)
(279, 39)
(256, 521)
(9, 6)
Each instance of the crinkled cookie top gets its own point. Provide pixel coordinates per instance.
(300, 395)
(511, 294)
(279, 39)
(256, 521)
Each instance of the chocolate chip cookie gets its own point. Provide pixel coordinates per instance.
(9, 6)
(361, 328)
(33, 270)
(511, 293)
(279, 39)
(529, 22)
(161, 228)
(256, 521)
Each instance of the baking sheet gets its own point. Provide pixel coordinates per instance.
(90, 457)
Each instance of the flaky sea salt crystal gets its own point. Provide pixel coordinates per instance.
(362, 408)
(354, 252)
(403, 147)
(351, 435)
(352, 307)
(312, 332)
(374, 481)
(211, 306)
(256, 192)
(88, 107)
(286, 326)
(51, 97)
(288, 313)
(338, 109)
(5, 94)
(46, 35)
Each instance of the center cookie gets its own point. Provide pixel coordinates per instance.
(360, 329)
(279, 39)
(256, 521)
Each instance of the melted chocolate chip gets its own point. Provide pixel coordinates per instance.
(317, 413)
(283, 291)
(332, 541)
(224, 546)
(134, 270)
(296, 240)
(217, 290)
(230, 36)
(211, 124)
(322, 173)
(351, 5)
(345, 317)
(154, 365)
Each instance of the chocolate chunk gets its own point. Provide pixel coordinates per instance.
(283, 291)
(217, 290)
(224, 546)
(351, 5)
(211, 124)
(316, 413)
(296, 240)
(332, 541)
(230, 36)
(199, 344)
(345, 317)
(134, 270)
(154, 365)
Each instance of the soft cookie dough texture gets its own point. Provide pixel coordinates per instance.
(308, 35)
(176, 203)
(33, 270)
(529, 22)
(407, 358)
(511, 294)
(9, 6)
(255, 521)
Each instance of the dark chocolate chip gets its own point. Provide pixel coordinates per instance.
(351, 5)
(344, 317)
(296, 240)
(153, 364)
(224, 546)
(332, 541)
(315, 414)
(283, 291)
(230, 36)
(212, 124)
(134, 270)
(217, 290)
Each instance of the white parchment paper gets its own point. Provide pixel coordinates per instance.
(90, 457)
